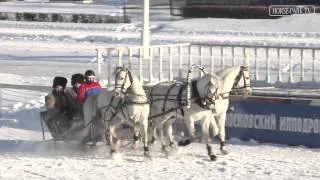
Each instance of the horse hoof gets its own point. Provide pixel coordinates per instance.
(184, 142)
(173, 145)
(223, 151)
(147, 154)
(213, 157)
(153, 140)
(165, 149)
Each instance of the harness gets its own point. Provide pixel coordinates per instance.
(202, 102)
(168, 97)
(177, 98)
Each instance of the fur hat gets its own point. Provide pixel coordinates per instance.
(77, 78)
(59, 81)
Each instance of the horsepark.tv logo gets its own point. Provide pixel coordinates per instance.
(287, 10)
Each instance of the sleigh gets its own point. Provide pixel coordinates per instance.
(58, 128)
(72, 131)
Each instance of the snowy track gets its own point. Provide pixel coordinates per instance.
(246, 161)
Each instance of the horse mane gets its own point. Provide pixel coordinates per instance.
(124, 68)
(216, 78)
(135, 80)
(206, 78)
(118, 69)
(209, 76)
(222, 73)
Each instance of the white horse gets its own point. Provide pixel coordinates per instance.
(136, 107)
(115, 110)
(168, 102)
(232, 79)
(236, 79)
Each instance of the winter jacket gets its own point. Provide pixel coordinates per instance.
(63, 102)
(54, 101)
(87, 89)
(71, 94)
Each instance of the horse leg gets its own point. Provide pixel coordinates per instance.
(168, 132)
(136, 133)
(161, 136)
(144, 135)
(214, 125)
(113, 139)
(165, 136)
(154, 129)
(153, 124)
(190, 128)
(165, 132)
(205, 132)
(222, 132)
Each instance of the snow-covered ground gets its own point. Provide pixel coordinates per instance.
(246, 161)
(32, 53)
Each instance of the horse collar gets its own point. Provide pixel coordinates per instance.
(195, 94)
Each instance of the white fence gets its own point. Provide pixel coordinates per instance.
(275, 63)
(269, 64)
(163, 58)
(1, 103)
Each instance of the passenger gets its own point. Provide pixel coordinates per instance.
(74, 107)
(89, 87)
(57, 105)
(76, 81)
(57, 98)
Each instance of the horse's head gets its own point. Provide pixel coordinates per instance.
(212, 89)
(208, 88)
(123, 80)
(242, 82)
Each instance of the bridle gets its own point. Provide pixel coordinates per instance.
(235, 89)
(122, 88)
(245, 81)
(127, 76)
(210, 97)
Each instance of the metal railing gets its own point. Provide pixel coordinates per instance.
(162, 58)
(268, 63)
(273, 62)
